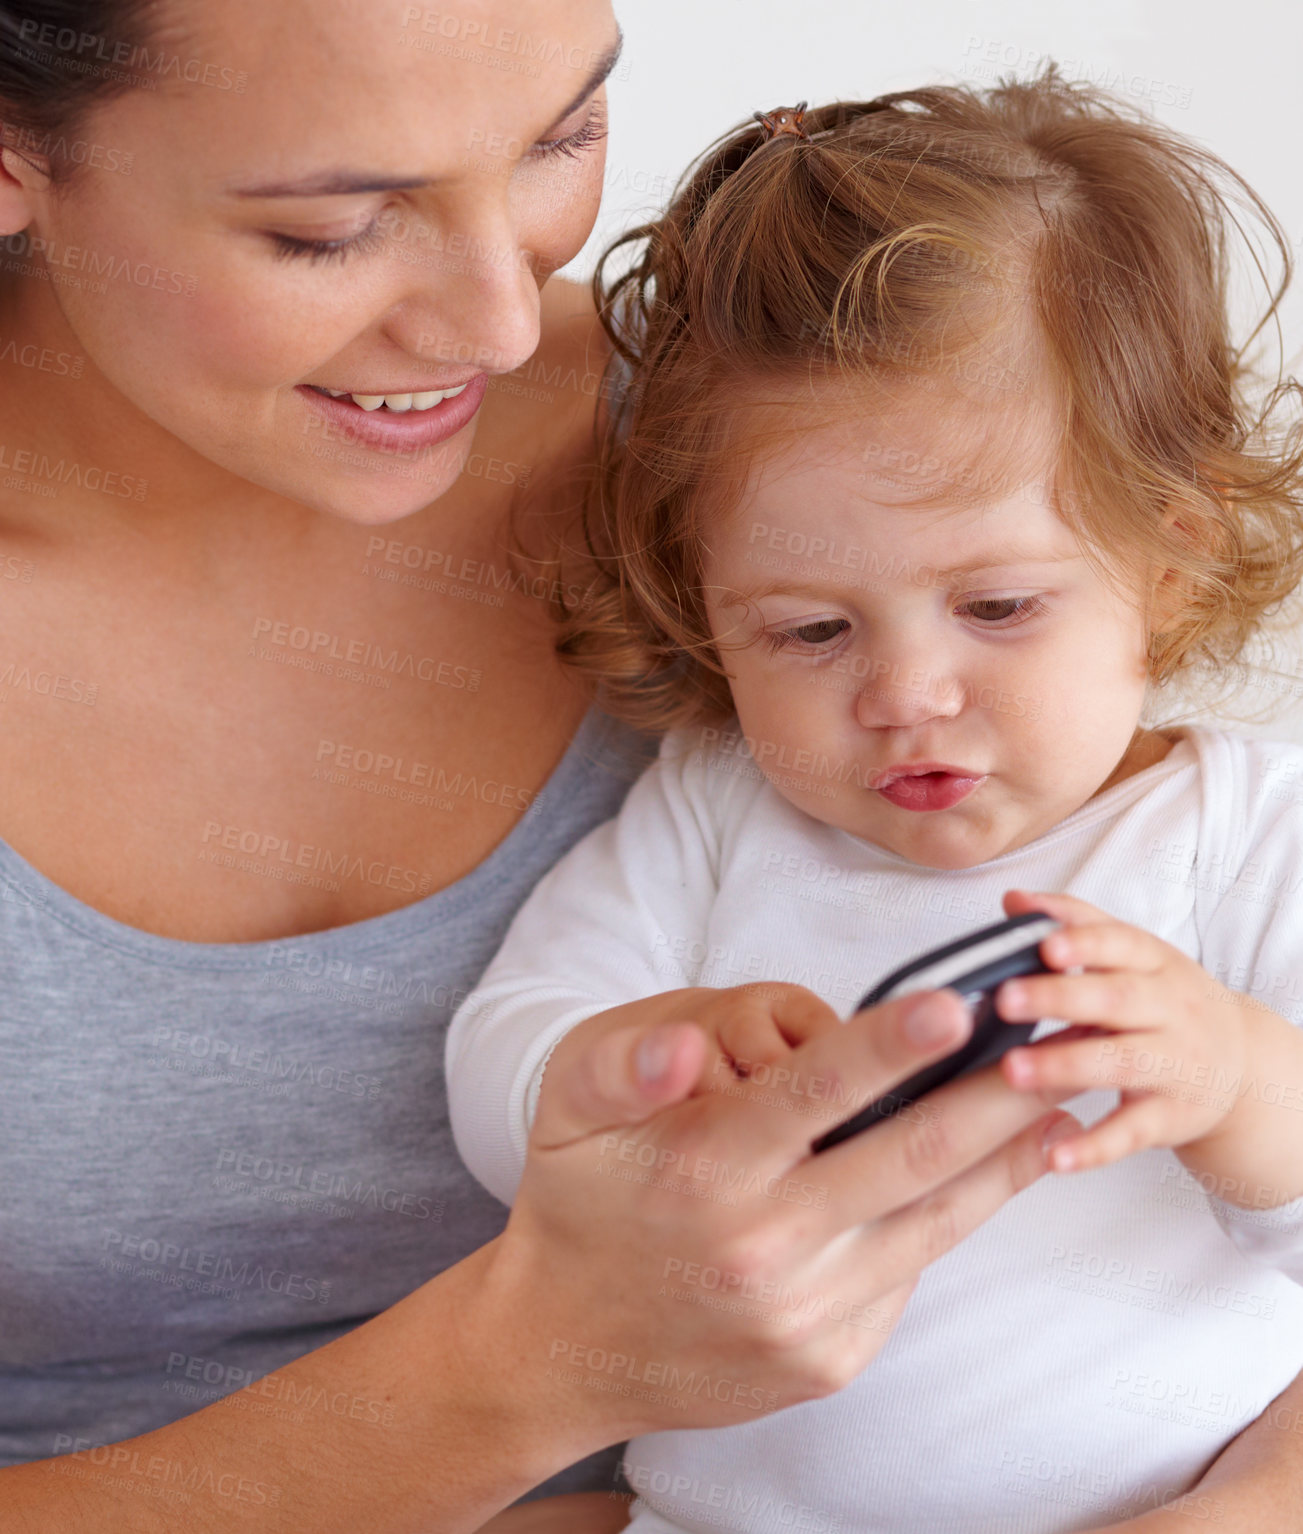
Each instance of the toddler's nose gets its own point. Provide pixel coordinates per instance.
(895, 694)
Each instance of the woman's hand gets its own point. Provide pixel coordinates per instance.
(747, 1028)
(757, 1026)
(677, 1257)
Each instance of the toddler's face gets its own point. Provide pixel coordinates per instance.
(1025, 672)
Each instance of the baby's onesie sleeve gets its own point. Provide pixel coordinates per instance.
(603, 927)
(1251, 940)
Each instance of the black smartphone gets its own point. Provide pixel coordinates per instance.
(974, 966)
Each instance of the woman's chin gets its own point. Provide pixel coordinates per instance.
(364, 508)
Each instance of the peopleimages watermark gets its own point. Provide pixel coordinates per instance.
(162, 1474)
(416, 776)
(741, 1293)
(42, 359)
(745, 1508)
(698, 962)
(46, 684)
(593, 1366)
(232, 1055)
(280, 856)
(706, 1172)
(208, 1379)
(417, 558)
(515, 51)
(78, 151)
(191, 1267)
(1195, 1403)
(285, 1181)
(1108, 1276)
(337, 654)
(106, 266)
(92, 53)
(25, 467)
(1088, 1486)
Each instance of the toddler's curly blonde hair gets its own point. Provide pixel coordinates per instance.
(845, 260)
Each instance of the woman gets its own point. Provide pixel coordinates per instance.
(285, 747)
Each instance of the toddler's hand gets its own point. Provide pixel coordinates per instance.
(1158, 1027)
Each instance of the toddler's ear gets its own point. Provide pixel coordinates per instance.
(1165, 602)
(1168, 593)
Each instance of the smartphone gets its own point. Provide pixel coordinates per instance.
(975, 966)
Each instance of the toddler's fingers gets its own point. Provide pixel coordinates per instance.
(1112, 999)
(1105, 945)
(1084, 1065)
(1104, 1064)
(1065, 908)
(1134, 1127)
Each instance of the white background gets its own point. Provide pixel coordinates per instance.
(1228, 75)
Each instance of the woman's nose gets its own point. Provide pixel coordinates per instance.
(473, 296)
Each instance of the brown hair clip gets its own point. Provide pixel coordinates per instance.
(784, 121)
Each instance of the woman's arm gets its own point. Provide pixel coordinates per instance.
(581, 1512)
(1254, 1486)
(554, 1340)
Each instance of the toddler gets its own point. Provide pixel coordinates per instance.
(931, 468)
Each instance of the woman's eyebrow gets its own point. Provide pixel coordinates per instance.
(335, 183)
(606, 62)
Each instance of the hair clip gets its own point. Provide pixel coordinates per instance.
(782, 122)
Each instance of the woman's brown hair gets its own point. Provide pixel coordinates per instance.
(845, 258)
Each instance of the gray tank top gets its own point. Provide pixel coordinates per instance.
(219, 1156)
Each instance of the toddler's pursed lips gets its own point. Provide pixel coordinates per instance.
(917, 769)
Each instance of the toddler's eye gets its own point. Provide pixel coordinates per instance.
(992, 612)
(817, 633)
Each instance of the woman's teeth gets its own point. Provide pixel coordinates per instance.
(397, 402)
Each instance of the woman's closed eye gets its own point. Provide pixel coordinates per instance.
(572, 145)
(587, 135)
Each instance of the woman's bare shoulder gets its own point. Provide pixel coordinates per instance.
(550, 400)
(570, 315)
(572, 354)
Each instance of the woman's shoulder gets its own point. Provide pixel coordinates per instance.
(545, 408)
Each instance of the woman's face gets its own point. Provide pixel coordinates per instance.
(473, 143)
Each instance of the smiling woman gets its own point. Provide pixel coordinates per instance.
(232, 361)
(285, 745)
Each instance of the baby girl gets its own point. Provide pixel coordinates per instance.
(931, 468)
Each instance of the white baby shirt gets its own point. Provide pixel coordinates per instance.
(1086, 1353)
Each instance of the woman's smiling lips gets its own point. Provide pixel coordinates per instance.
(926, 785)
(399, 431)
